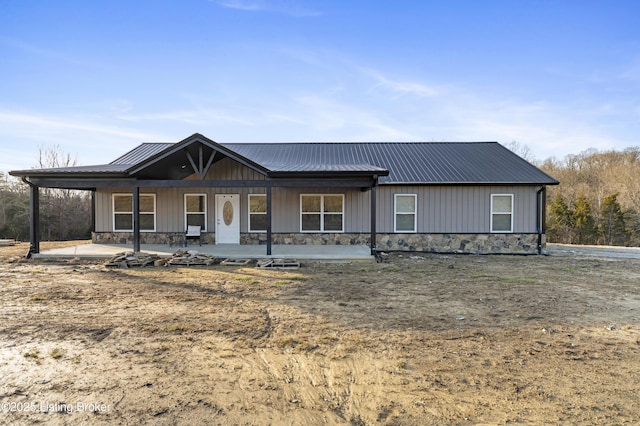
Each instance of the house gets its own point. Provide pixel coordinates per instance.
(461, 197)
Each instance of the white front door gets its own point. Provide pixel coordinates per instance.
(227, 219)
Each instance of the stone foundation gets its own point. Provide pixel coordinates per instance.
(433, 243)
(307, 239)
(462, 243)
(168, 238)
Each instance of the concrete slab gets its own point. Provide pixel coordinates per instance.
(300, 252)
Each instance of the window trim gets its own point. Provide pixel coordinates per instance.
(322, 213)
(130, 194)
(396, 212)
(206, 208)
(493, 213)
(249, 213)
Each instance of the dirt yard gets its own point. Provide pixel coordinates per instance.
(414, 340)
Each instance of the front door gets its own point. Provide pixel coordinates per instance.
(227, 219)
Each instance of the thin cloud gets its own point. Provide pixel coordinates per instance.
(195, 117)
(403, 87)
(49, 54)
(292, 8)
(44, 123)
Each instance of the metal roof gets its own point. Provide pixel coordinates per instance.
(141, 153)
(407, 162)
(411, 163)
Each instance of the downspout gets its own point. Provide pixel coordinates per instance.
(374, 207)
(539, 217)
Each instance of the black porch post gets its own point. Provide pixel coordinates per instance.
(136, 218)
(34, 220)
(93, 211)
(373, 215)
(268, 190)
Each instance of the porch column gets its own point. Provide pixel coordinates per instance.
(373, 215)
(93, 210)
(268, 191)
(136, 218)
(34, 220)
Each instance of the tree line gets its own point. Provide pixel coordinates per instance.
(64, 214)
(598, 199)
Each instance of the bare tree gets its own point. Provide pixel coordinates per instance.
(522, 150)
(65, 213)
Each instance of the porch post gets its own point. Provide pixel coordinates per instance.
(268, 191)
(136, 218)
(373, 215)
(93, 211)
(34, 220)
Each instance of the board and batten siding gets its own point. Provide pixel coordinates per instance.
(458, 209)
(286, 208)
(441, 209)
(170, 212)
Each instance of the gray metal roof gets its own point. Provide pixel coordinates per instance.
(141, 153)
(109, 169)
(407, 162)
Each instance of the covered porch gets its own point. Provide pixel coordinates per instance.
(225, 251)
(192, 164)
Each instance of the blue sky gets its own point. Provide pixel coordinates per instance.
(96, 78)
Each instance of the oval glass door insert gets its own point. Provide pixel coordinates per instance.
(227, 213)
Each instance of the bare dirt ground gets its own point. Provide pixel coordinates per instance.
(415, 340)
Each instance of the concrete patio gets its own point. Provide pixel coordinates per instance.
(227, 251)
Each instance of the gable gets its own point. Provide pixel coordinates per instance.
(177, 161)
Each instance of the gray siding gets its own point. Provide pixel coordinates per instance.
(231, 170)
(286, 208)
(458, 209)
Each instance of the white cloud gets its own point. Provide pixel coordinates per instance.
(93, 141)
(290, 7)
(193, 117)
(403, 87)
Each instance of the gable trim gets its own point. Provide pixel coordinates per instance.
(197, 138)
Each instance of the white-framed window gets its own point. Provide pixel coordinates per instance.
(195, 210)
(501, 212)
(405, 218)
(123, 212)
(257, 213)
(321, 213)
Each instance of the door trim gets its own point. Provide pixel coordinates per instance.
(230, 235)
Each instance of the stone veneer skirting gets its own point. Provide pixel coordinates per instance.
(434, 243)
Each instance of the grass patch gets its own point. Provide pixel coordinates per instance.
(297, 278)
(287, 342)
(247, 280)
(477, 276)
(518, 280)
(178, 328)
(33, 354)
(56, 353)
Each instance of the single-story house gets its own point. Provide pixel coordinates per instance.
(458, 197)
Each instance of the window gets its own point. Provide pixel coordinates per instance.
(123, 212)
(405, 213)
(195, 210)
(257, 213)
(502, 213)
(322, 213)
